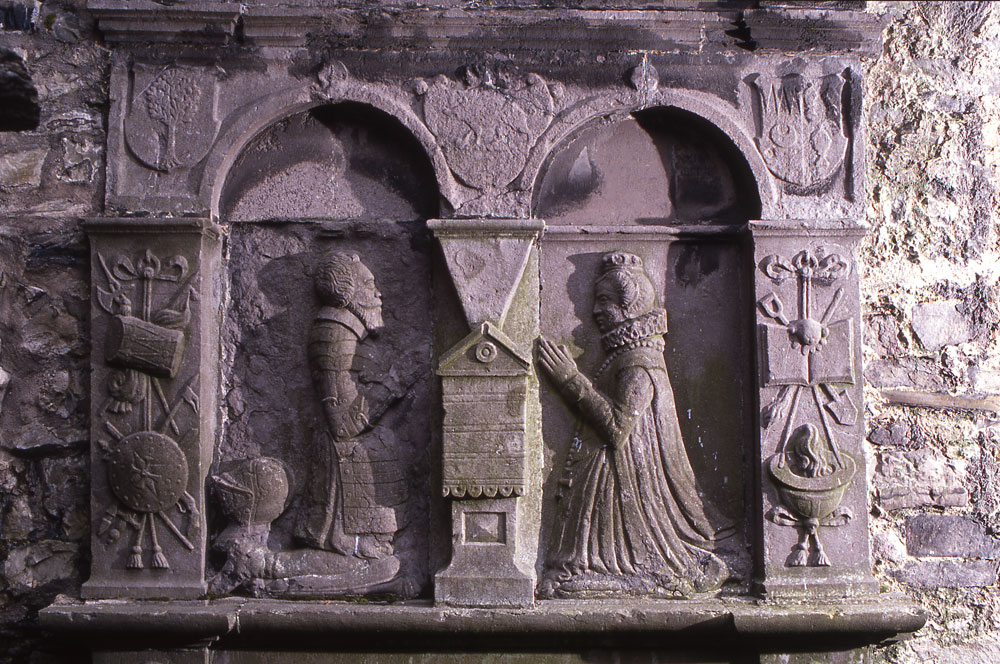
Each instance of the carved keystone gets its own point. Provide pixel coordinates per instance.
(486, 259)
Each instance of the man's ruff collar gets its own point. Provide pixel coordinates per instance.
(646, 325)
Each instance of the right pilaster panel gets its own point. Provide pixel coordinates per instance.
(813, 501)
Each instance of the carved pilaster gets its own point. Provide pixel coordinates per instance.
(154, 366)
(813, 500)
(491, 442)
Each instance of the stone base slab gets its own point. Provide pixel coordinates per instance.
(276, 624)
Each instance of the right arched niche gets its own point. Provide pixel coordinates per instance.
(672, 188)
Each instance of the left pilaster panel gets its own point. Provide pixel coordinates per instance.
(154, 379)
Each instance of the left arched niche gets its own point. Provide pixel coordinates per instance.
(343, 161)
(343, 178)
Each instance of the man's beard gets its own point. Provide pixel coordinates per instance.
(371, 316)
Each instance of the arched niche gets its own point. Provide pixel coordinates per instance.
(673, 188)
(338, 161)
(342, 177)
(656, 167)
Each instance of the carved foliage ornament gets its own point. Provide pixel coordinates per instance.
(487, 122)
(800, 127)
(147, 468)
(810, 473)
(171, 118)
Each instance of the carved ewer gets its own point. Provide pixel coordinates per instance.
(811, 484)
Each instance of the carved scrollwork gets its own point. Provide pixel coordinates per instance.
(806, 333)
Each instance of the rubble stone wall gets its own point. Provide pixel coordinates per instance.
(930, 291)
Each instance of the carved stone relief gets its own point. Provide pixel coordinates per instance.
(800, 127)
(342, 465)
(815, 353)
(483, 396)
(811, 420)
(630, 520)
(486, 387)
(811, 476)
(348, 518)
(825, 343)
(487, 121)
(147, 469)
(676, 224)
(171, 118)
(149, 419)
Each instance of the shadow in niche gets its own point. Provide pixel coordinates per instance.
(339, 161)
(709, 364)
(709, 178)
(660, 166)
(581, 280)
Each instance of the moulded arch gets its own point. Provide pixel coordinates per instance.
(255, 117)
(718, 113)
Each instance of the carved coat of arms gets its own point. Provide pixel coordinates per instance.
(171, 120)
(800, 130)
(487, 123)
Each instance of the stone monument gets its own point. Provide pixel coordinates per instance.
(381, 358)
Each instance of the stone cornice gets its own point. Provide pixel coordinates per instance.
(686, 30)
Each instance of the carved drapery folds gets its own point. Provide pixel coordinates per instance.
(629, 520)
(620, 504)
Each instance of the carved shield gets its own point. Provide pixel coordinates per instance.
(147, 471)
(484, 132)
(171, 119)
(800, 130)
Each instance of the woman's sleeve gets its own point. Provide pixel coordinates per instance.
(612, 418)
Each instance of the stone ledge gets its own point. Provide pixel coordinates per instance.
(275, 623)
(676, 30)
